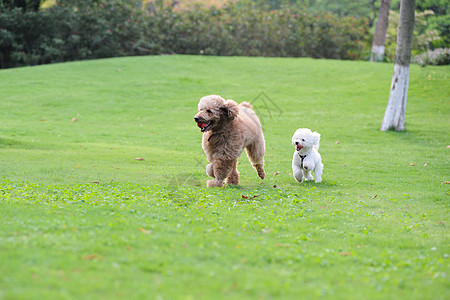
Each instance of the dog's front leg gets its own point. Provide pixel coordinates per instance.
(298, 173)
(233, 178)
(308, 166)
(222, 169)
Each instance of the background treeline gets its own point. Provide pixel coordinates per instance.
(87, 29)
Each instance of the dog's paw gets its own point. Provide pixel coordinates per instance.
(232, 180)
(214, 183)
(262, 174)
(260, 171)
(299, 179)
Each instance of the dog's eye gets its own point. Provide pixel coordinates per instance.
(303, 140)
(208, 111)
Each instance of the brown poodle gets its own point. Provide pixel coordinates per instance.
(227, 129)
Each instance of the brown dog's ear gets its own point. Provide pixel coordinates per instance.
(230, 109)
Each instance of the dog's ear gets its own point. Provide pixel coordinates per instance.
(230, 109)
(316, 138)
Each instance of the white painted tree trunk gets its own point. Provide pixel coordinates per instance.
(394, 116)
(379, 38)
(377, 53)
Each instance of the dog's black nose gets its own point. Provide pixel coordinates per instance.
(296, 143)
(196, 119)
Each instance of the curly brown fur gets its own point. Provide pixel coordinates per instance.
(227, 129)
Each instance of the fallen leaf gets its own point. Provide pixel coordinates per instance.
(144, 231)
(275, 186)
(254, 196)
(92, 257)
(425, 165)
(374, 196)
(445, 182)
(345, 253)
(337, 142)
(42, 120)
(74, 119)
(448, 146)
(97, 182)
(139, 158)
(411, 164)
(276, 174)
(244, 197)
(77, 166)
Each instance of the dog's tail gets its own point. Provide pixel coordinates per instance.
(246, 104)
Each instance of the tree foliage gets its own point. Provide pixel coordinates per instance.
(26, 5)
(83, 29)
(435, 15)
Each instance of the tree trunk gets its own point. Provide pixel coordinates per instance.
(379, 37)
(394, 116)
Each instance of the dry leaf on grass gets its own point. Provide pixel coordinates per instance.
(144, 230)
(93, 257)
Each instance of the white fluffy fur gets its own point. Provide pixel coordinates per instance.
(306, 143)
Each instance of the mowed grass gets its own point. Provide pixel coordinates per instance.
(81, 218)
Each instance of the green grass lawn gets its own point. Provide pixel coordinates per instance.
(81, 218)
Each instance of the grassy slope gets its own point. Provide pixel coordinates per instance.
(376, 226)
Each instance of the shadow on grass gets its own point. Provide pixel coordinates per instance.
(185, 180)
(15, 144)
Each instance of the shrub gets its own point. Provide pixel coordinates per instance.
(435, 57)
(244, 29)
(76, 30)
(82, 29)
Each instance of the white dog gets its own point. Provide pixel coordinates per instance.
(306, 155)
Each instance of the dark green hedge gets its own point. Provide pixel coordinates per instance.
(86, 29)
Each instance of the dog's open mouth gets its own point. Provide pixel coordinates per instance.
(204, 126)
(299, 147)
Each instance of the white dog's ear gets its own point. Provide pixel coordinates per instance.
(316, 138)
(230, 109)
